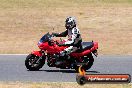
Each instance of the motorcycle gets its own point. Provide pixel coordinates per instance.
(49, 52)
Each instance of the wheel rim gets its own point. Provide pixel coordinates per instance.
(89, 62)
(32, 61)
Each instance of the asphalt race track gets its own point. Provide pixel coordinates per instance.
(12, 68)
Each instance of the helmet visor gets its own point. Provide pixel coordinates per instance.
(68, 24)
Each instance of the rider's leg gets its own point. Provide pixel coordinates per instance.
(68, 50)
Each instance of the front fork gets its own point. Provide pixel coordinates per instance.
(39, 54)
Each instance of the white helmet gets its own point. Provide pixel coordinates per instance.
(70, 22)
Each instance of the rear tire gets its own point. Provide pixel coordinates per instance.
(77, 69)
(31, 64)
(90, 63)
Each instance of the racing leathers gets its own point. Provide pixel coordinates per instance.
(74, 40)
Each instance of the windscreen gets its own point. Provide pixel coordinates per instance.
(45, 38)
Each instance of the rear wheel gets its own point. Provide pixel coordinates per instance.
(34, 63)
(88, 63)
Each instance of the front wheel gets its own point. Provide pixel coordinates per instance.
(34, 63)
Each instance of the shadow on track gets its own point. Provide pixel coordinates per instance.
(68, 71)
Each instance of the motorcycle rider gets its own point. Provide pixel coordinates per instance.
(74, 37)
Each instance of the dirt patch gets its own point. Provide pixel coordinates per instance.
(60, 85)
(23, 24)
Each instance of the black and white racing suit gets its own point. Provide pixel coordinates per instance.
(74, 40)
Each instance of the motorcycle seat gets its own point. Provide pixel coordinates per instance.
(85, 46)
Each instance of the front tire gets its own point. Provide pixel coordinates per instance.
(34, 63)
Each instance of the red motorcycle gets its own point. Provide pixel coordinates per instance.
(49, 49)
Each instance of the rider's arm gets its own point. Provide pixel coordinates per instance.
(63, 34)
